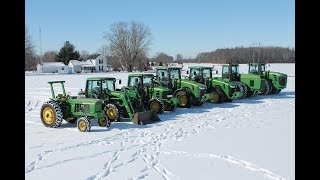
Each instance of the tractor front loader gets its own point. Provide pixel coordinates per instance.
(154, 97)
(119, 103)
(73, 110)
(275, 81)
(223, 91)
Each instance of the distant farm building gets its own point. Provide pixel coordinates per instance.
(49, 67)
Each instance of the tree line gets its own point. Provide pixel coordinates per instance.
(128, 43)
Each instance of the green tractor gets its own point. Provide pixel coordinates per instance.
(72, 109)
(118, 103)
(155, 98)
(275, 81)
(249, 84)
(186, 91)
(222, 90)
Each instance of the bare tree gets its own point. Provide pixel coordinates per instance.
(127, 41)
(179, 58)
(84, 55)
(30, 55)
(163, 58)
(49, 56)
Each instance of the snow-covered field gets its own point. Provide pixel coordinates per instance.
(247, 139)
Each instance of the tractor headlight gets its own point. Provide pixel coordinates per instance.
(232, 86)
(169, 96)
(202, 88)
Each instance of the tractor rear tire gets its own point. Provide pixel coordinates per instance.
(156, 105)
(113, 112)
(83, 124)
(184, 99)
(242, 90)
(278, 91)
(245, 88)
(51, 114)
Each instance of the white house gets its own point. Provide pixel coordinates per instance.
(64, 70)
(49, 67)
(88, 66)
(75, 66)
(99, 61)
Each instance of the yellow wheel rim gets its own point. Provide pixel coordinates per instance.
(215, 97)
(103, 121)
(82, 126)
(183, 100)
(48, 115)
(155, 106)
(111, 113)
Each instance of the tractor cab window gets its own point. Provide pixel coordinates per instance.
(162, 75)
(175, 73)
(263, 67)
(253, 68)
(206, 73)
(135, 82)
(94, 89)
(195, 74)
(225, 69)
(147, 81)
(108, 84)
(235, 69)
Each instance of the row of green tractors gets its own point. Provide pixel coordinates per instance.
(147, 95)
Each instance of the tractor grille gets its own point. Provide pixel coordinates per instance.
(283, 80)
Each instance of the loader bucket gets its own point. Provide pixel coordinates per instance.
(146, 117)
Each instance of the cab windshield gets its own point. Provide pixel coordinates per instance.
(147, 81)
(235, 69)
(207, 73)
(253, 69)
(263, 67)
(108, 84)
(175, 73)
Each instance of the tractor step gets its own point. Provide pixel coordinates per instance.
(146, 117)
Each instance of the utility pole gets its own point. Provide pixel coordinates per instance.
(40, 45)
(253, 46)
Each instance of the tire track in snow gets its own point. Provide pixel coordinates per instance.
(244, 164)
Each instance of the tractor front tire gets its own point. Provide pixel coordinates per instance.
(51, 114)
(217, 96)
(104, 122)
(184, 99)
(156, 105)
(113, 112)
(83, 124)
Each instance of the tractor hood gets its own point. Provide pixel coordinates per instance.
(277, 73)
(251, 76)
(162, 89)
(227, 83)
(201, 86)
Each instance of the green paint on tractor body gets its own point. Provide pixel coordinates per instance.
(148, 90)
(170, 77)
(127, 100)
(254, 83)
(203, 75)
(277, 79)
(73, 108)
